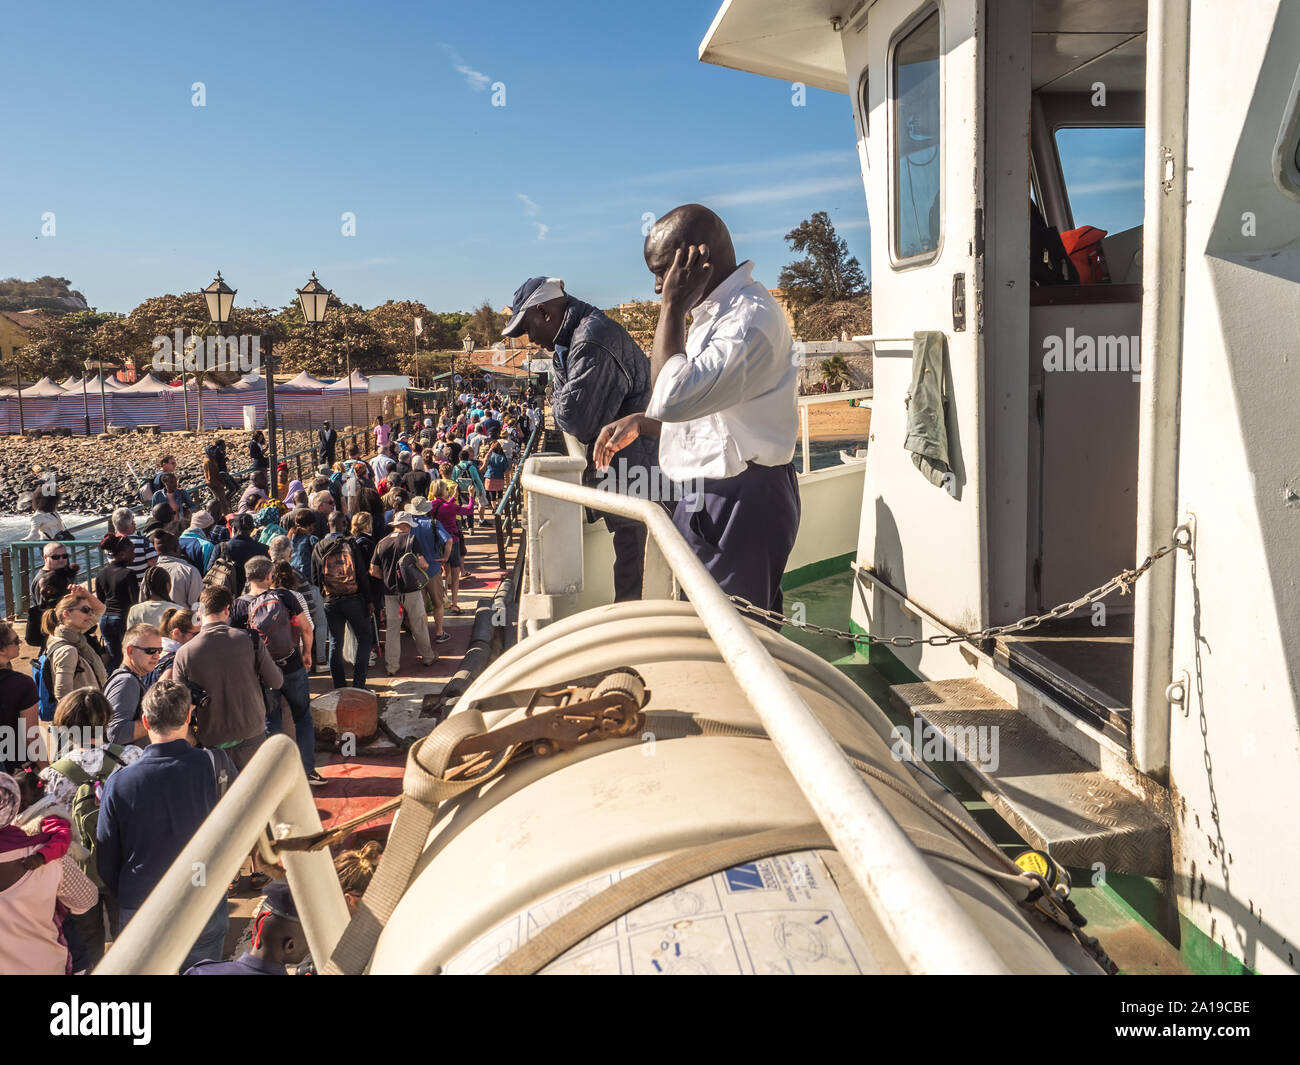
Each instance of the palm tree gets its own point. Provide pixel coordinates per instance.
(835, 372)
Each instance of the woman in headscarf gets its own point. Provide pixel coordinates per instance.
(37, 880)
(295, 486)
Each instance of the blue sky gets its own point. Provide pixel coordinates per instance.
(385, 110)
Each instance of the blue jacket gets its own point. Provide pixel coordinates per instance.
(149, 811)
(599, 375)
(429, 537)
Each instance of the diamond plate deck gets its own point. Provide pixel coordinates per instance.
(1050, 795)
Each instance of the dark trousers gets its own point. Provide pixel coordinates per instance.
(242, 752)
(113, 628)
(743, 528)
(339, 614)
(86, 934)
(296, 691)
(629, 556)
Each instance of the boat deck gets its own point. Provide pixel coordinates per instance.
(1129, 937)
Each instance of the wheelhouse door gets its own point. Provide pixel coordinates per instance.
(913, 71)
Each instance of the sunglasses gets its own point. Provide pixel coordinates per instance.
(83, 609)
(148, 650)
(58, 558)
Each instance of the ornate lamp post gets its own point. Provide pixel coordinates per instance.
(314, 299)
(220, 298)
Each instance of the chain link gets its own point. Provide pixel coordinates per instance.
(1122, 582)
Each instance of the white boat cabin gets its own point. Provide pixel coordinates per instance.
(1099, 393)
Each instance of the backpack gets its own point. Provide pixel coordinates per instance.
(43, 675)
(338, 569)
(269, 618)
(412, 575)
(224, 572)
(85, 804)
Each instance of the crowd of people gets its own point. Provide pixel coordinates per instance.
(157, 681)
(150, 699)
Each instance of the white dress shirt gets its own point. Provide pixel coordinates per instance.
(730, 399)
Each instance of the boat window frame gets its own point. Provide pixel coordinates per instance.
(1286, 149)
(904, 30)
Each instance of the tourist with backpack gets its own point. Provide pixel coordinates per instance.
(74, 663)
(227, 670)
(126, 685)
(118, 587)
(403, 572)
(196, 543)
(152, 808)
(337, 571)
(228, 567)
(74, 781)
(274, 611)
(302, 542)
(435, 546)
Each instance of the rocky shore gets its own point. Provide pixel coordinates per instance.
(94, 473)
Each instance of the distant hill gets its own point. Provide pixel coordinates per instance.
(54, 294)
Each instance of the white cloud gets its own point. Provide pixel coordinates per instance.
(475, 79)
(791, 191)
(542, 230)
(1092, 188)
(529, 205)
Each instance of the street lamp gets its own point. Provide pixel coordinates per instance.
(469, 347)
(220, 298)
(314, 299)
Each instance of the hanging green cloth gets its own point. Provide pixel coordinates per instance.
(927, 427)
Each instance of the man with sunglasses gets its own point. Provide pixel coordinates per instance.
(50, 584)
(141, 649)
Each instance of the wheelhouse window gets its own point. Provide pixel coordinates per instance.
(1102, 170)
(918, 211)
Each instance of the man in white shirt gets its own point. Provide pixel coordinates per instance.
(723, 406)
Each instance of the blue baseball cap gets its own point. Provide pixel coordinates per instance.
(532, 292)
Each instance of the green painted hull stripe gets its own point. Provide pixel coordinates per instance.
(815, 571)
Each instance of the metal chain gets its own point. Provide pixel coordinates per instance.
(1122, 582)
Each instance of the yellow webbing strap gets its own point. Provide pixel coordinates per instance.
(425, 784)
(672, 872)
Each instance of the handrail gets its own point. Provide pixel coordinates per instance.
(20, 566)
(512, 499)
(272, 790)
(823, 397)
(931, 932)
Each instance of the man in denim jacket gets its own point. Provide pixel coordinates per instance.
(599, 374)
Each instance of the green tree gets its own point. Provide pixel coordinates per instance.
(484, 325)
(59, 344)
(835, 372)
(640, 319)
(827, 271)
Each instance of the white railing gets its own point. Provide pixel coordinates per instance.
(824, 397)
(931, 932)
(272, 790)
